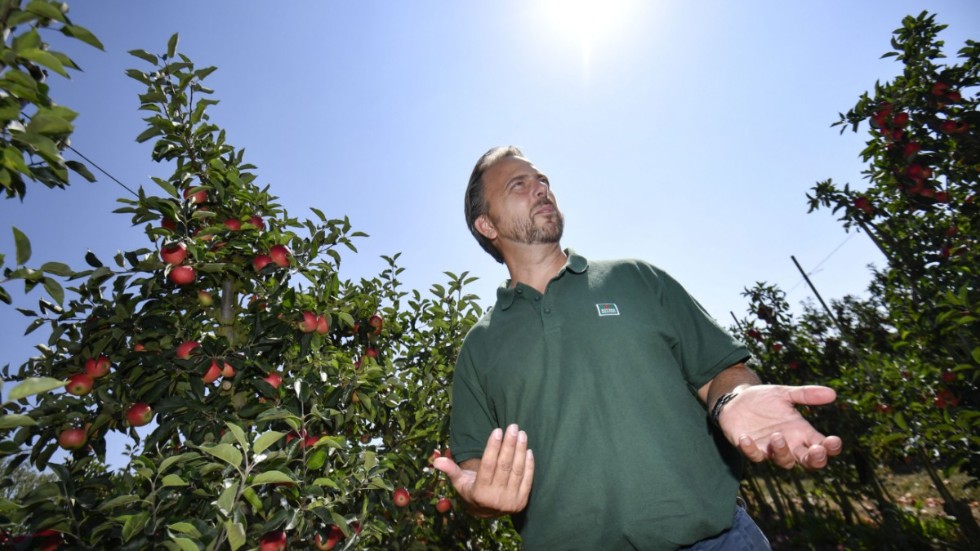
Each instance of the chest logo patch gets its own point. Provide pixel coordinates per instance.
(607, 309)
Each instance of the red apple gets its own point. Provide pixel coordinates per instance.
(232, 224)
(212, 374)
(256, 221)
(949, 376)
(953, 127)
(308, 325)
(204, 298)
(371, 352)
(174, 253)
(168, 223)
(182, 275)
(401, 497)
(185, 349)
(946, 398)
(274, 379)
(322, 325)
(273, 541)
(939, 88)
(910, 149)
(97, 367)
(376, 322)
(261, 261)
(864, 205)
(333, 538)
(280, 255)
(72, 439)
(200, 196)
(227, 371)
(79, 384)
(139, 414)
(444, 505)
(139, 347)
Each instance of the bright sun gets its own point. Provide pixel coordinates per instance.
(585, 22)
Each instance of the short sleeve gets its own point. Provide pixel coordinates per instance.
(471, 420)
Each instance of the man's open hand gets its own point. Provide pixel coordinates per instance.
(762, 421)
(500, 482)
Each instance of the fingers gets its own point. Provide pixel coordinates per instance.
(812, 395)
(778, 451)
(488, 463)
(449, 467)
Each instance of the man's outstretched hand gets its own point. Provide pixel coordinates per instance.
(500, 482)
(762, 421)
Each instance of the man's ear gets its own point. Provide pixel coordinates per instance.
(485, 227)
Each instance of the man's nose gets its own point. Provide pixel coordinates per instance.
(541, 189)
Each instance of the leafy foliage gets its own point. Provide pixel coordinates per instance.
(284, 398)
(905, 360)
(34, 130)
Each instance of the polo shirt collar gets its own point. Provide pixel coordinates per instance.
(576, 263)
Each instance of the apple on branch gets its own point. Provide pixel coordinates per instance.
(97, 367)
(139, 414)
(79, 384)
(72, 439)
(182, 275)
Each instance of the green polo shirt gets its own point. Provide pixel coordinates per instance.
(601, 371)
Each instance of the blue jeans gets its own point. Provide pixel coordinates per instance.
(744, 535)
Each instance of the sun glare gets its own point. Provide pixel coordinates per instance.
(585, 22)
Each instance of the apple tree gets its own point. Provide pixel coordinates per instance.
(267, 400)
(920, 207)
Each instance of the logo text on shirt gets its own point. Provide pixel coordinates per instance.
(607, 309)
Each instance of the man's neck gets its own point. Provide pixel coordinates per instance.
(535, 266)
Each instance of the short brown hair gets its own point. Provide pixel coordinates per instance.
(476, 200)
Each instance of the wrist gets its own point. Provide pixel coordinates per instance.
(719, 405)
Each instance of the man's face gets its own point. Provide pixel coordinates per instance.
(522, 208)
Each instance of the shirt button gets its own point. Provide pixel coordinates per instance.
(537, 298)
(547, 310)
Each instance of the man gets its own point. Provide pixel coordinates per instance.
(635, 402)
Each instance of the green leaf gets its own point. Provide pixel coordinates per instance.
(263, 442)
(326, 482)
(173, 480)
(83, 34)
(236, 534)
(226, 502)
(118, 501)
(92, 260)
(272, 477)
(44, 58)
(172, 45)
(225, 452)
(185, 528)
(186, 544)
(173, 459)
(144, 55)
(23, 245)
(56, 268)
(239, 435)
(55, 290)
(81, 170)
(46, 10)
(34, 385)
(16, 420)
(134, 524)
(900, 421)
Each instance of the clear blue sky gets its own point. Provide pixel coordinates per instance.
(685, 133)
